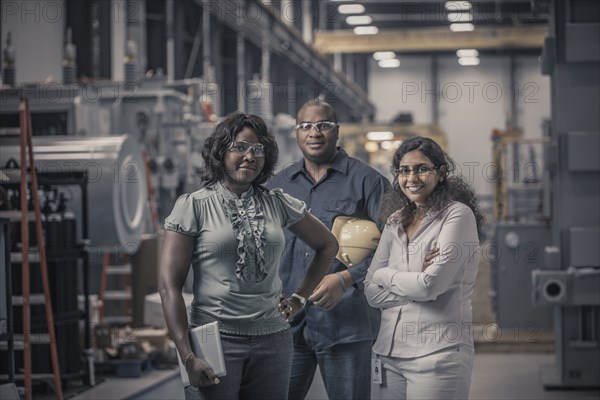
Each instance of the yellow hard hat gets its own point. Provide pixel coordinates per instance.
(357, 238)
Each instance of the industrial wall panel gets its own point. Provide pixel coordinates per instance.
(583, 151)
(578, 36)
(584, 249)
(519, 251)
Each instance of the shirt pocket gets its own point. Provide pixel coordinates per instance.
(334, 208)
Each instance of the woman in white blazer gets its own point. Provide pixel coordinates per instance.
(422, 277)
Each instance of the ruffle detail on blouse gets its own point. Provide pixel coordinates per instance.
(236, 210)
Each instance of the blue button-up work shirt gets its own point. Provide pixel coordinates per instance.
(350, 188)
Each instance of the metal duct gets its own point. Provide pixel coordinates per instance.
(116, 183)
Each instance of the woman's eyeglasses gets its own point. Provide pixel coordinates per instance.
(420, 170)
(242, 147)
(322, 126)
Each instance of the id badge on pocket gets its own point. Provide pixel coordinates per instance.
(376, 371)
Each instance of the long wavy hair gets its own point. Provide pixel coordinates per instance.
(217, 144)
(451, 188)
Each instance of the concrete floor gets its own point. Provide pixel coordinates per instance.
(496, 376)
(506, 366)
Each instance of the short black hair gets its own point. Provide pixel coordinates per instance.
(319, 103)
(217, 144)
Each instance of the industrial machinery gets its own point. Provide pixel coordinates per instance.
(521, 230)
(570, 278)
(117, 193)
(168, 125)
(56, 109)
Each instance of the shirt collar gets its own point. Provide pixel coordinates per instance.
(340, 164)
(229, 195)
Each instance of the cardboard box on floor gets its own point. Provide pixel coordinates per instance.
(156, 337)
(153, 312)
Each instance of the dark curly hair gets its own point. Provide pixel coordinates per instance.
(218, 143)
(452, 188)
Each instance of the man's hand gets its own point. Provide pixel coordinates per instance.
(327, 293)
(431, 254)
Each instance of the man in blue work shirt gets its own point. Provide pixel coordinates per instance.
(336, 328)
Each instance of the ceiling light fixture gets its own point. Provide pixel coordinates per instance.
(366, 30)
(351, 9)
(468, 61)
(372, 147)
(467, 53)
(462, 27)
(359, 20)
(389, 63)
(386, 145)
(383, 55)
(380, 136)
(458, 5)
(460, 17)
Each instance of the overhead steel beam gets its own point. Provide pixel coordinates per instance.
(432, 39)
(427, 1)
(262, 27)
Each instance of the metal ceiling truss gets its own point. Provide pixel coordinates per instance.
(263, 28)
(433, 39)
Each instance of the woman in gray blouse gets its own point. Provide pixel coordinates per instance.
(231, 233)
(422, 277)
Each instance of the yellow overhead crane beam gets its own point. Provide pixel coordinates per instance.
(432, 39)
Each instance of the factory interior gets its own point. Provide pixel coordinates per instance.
(113, 99)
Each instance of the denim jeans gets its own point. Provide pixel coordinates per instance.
(258, 367)
(443, 375)
(345, 369)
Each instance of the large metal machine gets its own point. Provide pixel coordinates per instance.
(521, 230)
(165, 119)
(116, 183)
(570, 278)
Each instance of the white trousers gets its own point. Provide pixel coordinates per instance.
(443, 375)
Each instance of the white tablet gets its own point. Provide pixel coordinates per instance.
(206, 344)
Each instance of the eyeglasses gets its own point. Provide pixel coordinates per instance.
(242, 147)
(420, 170)
(322, 126)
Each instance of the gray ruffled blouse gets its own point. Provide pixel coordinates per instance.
(238, 247)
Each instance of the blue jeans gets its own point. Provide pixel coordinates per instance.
(258, 367)
(345, 369)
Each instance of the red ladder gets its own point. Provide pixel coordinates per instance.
(26, 147)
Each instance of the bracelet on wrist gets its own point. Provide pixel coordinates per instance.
(187, 358)
(342, 281)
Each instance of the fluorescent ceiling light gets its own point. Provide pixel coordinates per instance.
(462, 27)
(371, 147)
(467, 53)
(386, 145)
(380, 136)
(366, 30)
(351, 9)
(389, 63)
(458, 5)
(468, 61)
(359, 20)
(383, 55)
(460, 17)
